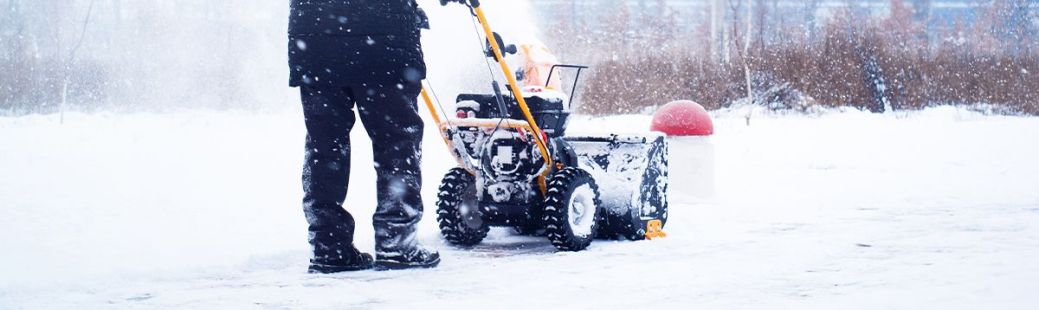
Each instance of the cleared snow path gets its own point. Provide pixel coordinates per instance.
(934, 209)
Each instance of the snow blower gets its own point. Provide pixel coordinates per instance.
(519, 169)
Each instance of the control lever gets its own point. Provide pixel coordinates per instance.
(505, 49)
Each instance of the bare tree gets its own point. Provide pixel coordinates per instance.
(743, 48)
(922, 10)
(761, 13)
(617, 29)
(719, 40)
(810, 11)
(71, 61)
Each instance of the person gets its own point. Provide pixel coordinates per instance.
(365, 54)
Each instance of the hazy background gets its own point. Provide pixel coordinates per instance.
(876, 55)
(118, 55)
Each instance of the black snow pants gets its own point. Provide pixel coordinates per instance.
(389, 114)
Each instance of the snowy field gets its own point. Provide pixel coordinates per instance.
(198, 210)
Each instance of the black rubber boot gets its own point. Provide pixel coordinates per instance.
(418, 257)
(351, 260)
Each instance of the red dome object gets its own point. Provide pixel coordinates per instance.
(683, 118)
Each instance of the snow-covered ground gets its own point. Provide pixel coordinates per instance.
(935, 209)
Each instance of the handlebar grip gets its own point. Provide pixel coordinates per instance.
(445, 2)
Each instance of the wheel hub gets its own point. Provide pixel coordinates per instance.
(582, 210)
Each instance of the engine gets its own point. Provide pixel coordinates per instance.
(509, 165)
(509, 161)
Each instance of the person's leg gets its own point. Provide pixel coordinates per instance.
(329, 116)
(390, 115)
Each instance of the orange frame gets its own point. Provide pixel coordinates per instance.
(530, 124)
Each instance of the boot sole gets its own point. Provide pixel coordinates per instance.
(327, 269)
(392, 265)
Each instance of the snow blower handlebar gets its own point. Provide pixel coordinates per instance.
(517, 92)
(445, 2)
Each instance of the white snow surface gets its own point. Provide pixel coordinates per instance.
(936, 209)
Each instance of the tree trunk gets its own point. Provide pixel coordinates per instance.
(71, 60)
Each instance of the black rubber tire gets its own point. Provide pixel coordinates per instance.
(558, 227)
(460, 227)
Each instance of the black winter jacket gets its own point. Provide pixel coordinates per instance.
(337, 42)
(356, 17)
